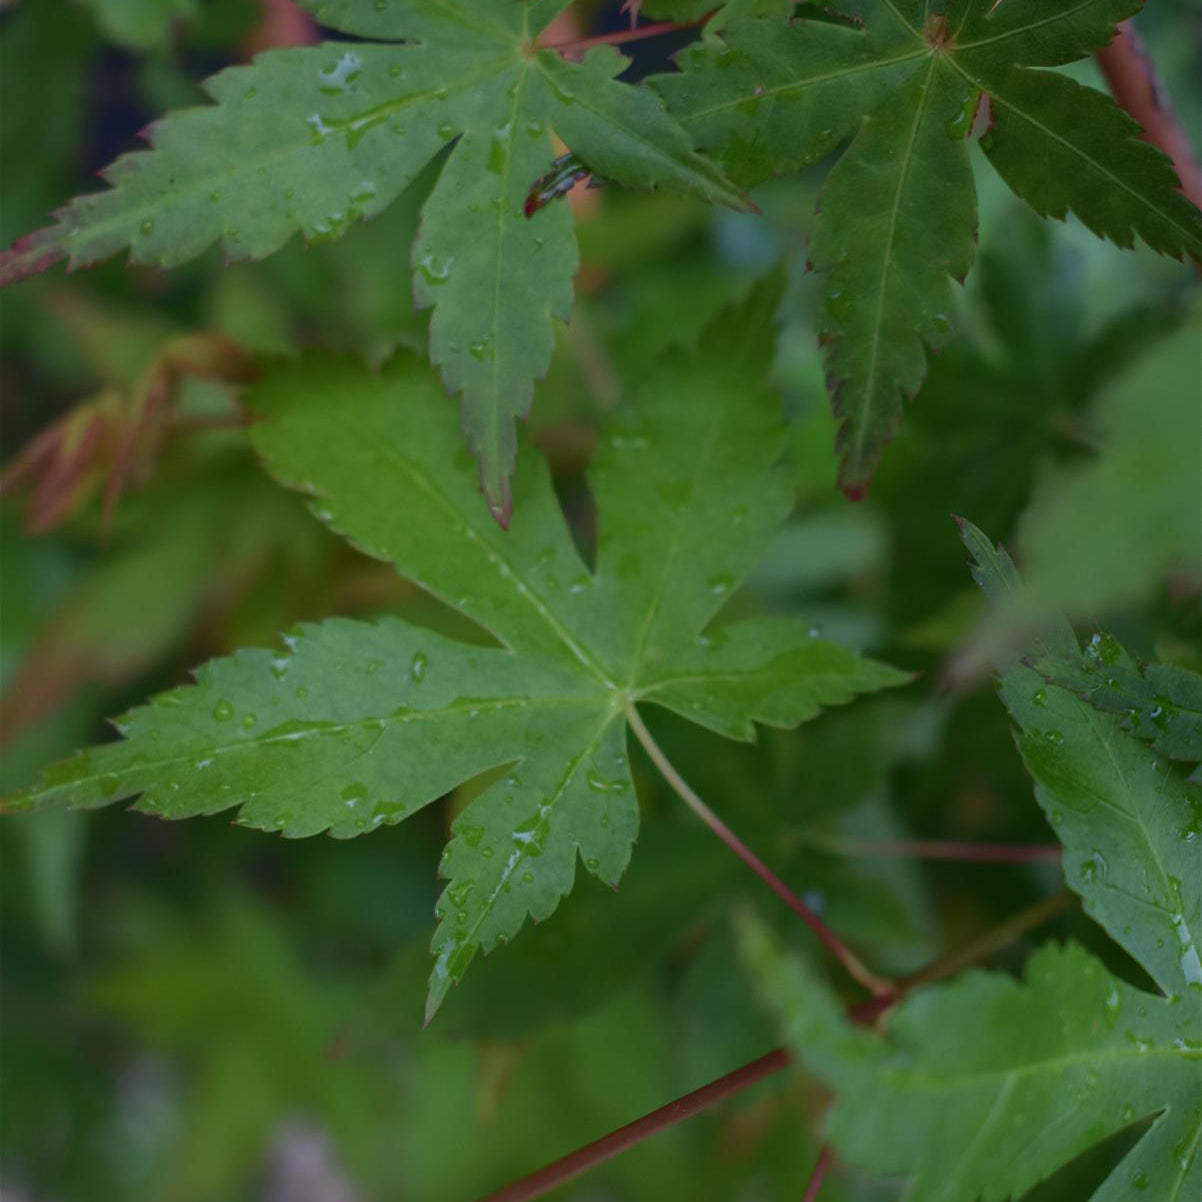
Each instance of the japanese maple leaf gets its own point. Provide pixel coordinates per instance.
(983, 1087)
(359, 724)
(901, 81)
(314, 138)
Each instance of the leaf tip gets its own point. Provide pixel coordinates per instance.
(436, 995)
(499, 495)
(18, 803)
(30, 255)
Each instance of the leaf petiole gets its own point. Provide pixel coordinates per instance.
(855, 967)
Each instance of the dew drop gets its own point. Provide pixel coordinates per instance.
(353, 794)
(340, 76)
(839, 306)
(1103, 649)
(434, 273)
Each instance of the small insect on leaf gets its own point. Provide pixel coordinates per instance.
(566, 172)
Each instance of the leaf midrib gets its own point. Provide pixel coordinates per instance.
(916, 1078)
(128, 216)
(802, 84)
(1012, 33)
(504, 569)
(699, 465)
(1136, 817)
(862, 426)
(321, 730)
(1189, 237)
(496, 419)
(523, 854)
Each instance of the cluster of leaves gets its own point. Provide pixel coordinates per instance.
(313, 139)
(986, 1086)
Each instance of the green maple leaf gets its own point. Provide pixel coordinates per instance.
(983, 1087)
(361, 724)
(1158, 702)
(898, 212)
(312, 139)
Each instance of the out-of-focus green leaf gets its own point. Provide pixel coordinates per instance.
(141, 24)
(1104, 535)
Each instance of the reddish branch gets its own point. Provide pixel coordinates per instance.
(855, 967)
(818, 1176)
(1133, 81)
(864, 1014)
(579, 46)
(955, 851)
(610, 1145)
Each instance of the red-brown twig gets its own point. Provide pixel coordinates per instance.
(863, 1013)
(1133, 81)
(818, 1176)
(952, 850)
(581, 45)
(993, 940)
(624, 1137)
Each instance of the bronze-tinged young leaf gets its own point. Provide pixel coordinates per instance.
(898, 212)
(360, 724)
(312, 139)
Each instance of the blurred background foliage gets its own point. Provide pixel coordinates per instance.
(198, 1012)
